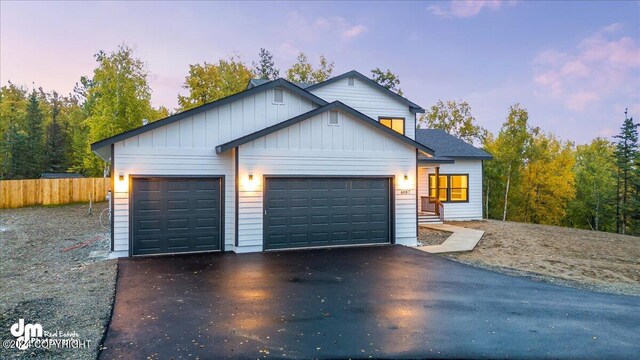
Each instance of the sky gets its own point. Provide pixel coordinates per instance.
(575, 66)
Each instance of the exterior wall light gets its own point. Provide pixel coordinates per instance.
(405, 182)
(121, 185)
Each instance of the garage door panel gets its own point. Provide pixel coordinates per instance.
(177, 215)
(306, 212)
(359, 185)
(298, 203)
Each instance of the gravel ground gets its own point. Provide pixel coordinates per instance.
(592, 260)
(431, 237)
(61, 290)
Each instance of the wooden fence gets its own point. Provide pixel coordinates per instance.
(19, 193)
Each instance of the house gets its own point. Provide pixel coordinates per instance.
(282, 166)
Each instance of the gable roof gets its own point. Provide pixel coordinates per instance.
(258, 82)
(449, 146)
(185, 114)
(413, 106)
(336, 105)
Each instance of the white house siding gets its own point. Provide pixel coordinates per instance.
(187, 147)
(471, 210)
(423, 181)
(368, 100)
(312, 147)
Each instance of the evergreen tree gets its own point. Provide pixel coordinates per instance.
(18, 144)
(32, 163)
(56, 149)
(626, 156)
(13, 104)
(265, 68)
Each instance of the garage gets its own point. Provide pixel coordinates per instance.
(175, 215)
(305, 212)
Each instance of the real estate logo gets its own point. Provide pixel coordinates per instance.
(33, 335)
(23, 333)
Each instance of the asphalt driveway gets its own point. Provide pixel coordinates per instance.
(387, 301)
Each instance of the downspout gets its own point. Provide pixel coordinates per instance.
(237, 187)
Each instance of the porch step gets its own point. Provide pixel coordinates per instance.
(429, 219)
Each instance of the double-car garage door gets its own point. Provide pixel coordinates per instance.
(309, 212)
(174, 215)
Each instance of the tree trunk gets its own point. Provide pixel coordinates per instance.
(624, 202)
(595, 192)
(487, 203)
(506, 195)
(618, 201)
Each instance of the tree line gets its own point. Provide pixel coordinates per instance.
(538, 178)
(534, 176)
(47, 132)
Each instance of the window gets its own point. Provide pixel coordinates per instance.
(278, 96)
(396, 124)
(443, 187)
(453, 188)
(333, 118)
(351, 81)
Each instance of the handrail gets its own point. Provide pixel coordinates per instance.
(432, 204)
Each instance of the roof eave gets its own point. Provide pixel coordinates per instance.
(472, 157)
(436, 161)
(412, 106)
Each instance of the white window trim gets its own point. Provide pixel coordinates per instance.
(337, 118)
(274, 97)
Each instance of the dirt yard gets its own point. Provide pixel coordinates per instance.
(431, 237)
(589, 259)
(42, 283)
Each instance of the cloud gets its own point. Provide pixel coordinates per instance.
(602, 65)
(321, 27)
(339, 25)
(303, 32)
(354, 31)
(464, 8)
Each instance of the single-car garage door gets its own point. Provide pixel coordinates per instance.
(174, 215)
(310, 212)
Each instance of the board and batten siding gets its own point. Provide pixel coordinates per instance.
(369, 101)
(314, 148)
(471, 210)
(187, 148)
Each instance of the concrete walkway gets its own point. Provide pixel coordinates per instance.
(462, 239)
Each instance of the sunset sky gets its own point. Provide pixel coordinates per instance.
(575, 66)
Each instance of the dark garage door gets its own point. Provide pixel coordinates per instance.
(173, 215)
(309, 212)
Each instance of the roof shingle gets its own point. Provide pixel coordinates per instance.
(449, 146)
